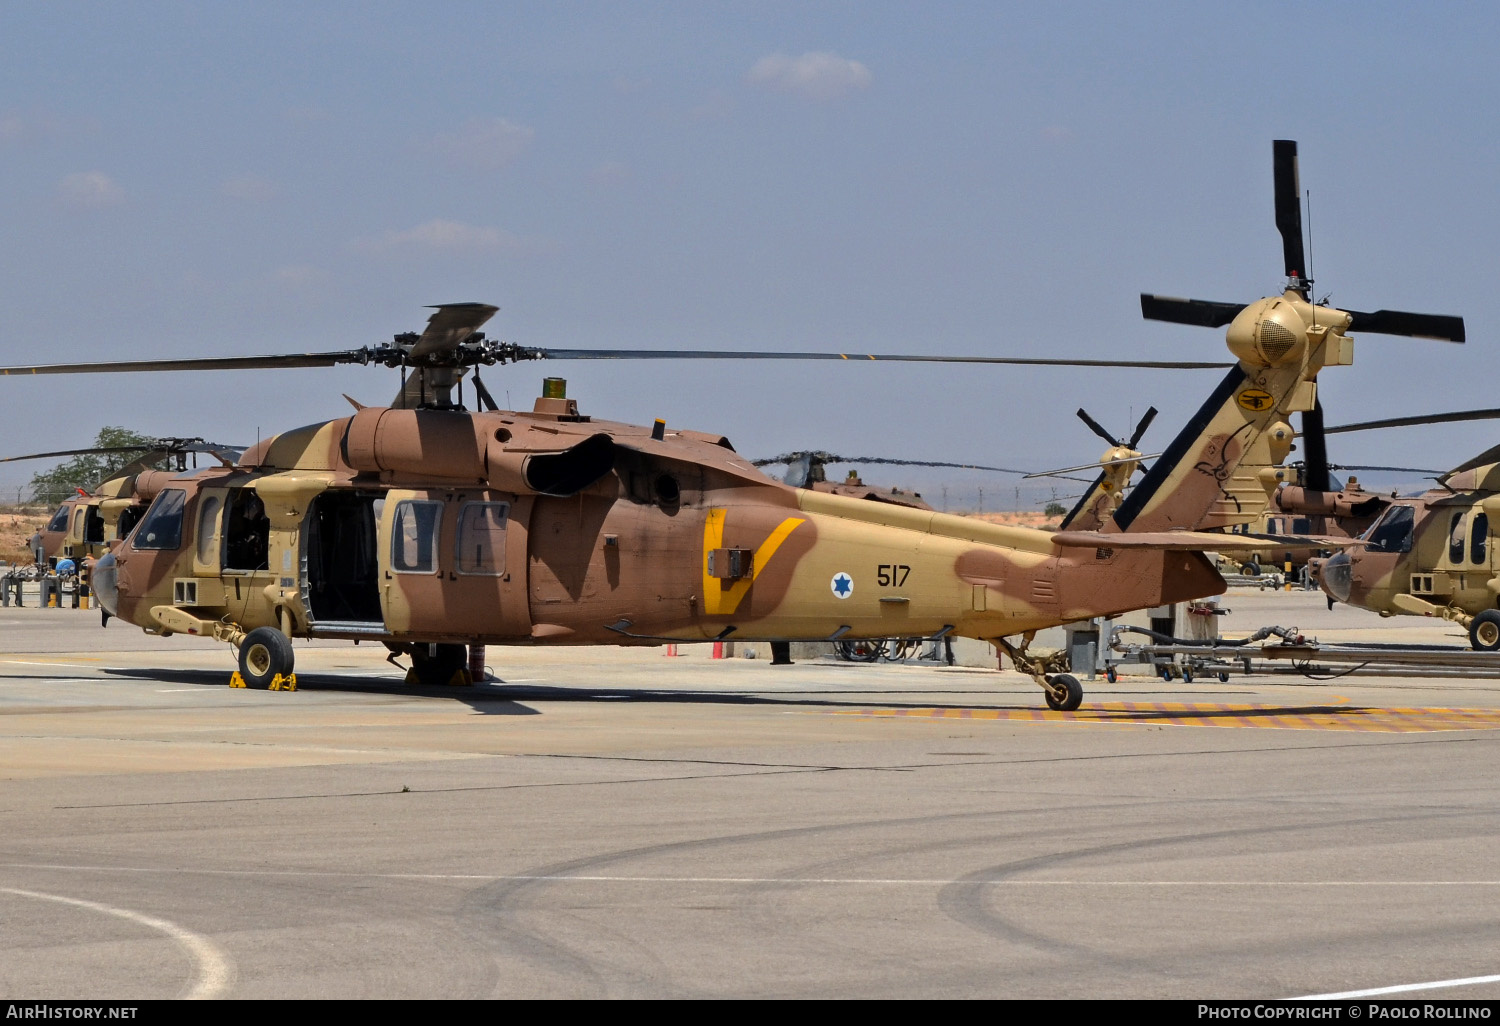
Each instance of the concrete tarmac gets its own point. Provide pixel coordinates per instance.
(623, 823)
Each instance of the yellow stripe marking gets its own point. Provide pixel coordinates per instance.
(722, 597)
(1368, 720)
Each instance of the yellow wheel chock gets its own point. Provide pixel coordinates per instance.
(278, 683)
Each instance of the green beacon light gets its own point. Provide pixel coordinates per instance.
(554, 388)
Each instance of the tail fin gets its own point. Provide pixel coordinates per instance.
(1223, 468)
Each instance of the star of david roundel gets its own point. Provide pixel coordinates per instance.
(842, 585)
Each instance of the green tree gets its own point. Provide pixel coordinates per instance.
(88, 470)
(1054, 509)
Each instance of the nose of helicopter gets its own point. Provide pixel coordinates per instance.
(1336, 576)
(105, 583)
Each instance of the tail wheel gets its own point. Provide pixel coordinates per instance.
(1484, 631)
(1072, 692)
(264, 654)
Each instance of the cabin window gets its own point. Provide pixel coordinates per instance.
(208, 528)
(481, 538)
(93, 526)
(1392, 532)
(414, 537)
(77, 531)
(1302, 525)
(59, 521)
(1481, 537)
(1456, 536)
(162, 527)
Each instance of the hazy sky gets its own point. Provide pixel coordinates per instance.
(182, 179)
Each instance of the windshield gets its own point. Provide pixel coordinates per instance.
(162, 528)
(1392, 532)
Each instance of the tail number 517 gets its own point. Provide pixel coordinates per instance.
(891, 575)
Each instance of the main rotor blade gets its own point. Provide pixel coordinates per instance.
(715, 354)
(1289, 206)
(1140, 429)
(1095, 427)
(1200, 312)
(1425, 418)
(93, 451)
(1440, 327)
(211, 363)
(790, 458)
(448, 328)
(1097, 463)
(1428, 471)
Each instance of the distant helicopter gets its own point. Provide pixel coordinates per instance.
(83, 525)
(806, 469)
(1432, 554)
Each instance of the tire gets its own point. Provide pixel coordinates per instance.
(264, 653)
(1074, 697)
(1187, 675)
(1250, 569)
(1111, 676)
(435, 665)
(1223, 677)
(1166, 673)
(1484, 631)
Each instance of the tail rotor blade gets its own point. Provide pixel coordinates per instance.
(1441, 327)
(1095, 427)
(1198, 312)
(1140, 428)
(1315, 476)
(1289, 207)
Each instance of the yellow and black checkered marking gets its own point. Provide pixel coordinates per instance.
(1209, 714)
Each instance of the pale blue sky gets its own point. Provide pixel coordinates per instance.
(985, 178)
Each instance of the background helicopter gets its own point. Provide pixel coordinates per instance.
(427, 527)
(1431, 554)
(806, 469)
(84, 524)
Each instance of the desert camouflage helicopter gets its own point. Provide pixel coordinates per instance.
(807, 469)
(428, 527)
(1432, 554)
(84, 525)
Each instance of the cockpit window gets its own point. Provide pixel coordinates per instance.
(59, 521)
(1392, 532)
(162, 527)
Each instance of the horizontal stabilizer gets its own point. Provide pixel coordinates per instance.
(1198, 541)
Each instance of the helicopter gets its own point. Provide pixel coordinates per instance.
(807, 469)
(1431, 554)
(428, 527)
(84, 525)
(1307, 502)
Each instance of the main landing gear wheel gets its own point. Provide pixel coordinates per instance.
(265, 654)
(1484, 631)
(438, 665)
(1072, 692)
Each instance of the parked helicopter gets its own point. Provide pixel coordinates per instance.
(428, 527)
(1432, 554)
(807, 469)
(84, 525)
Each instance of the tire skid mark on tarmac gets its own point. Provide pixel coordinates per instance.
(1396, 720)
(964, 900)
(215, 971)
